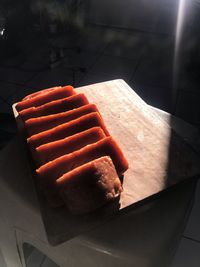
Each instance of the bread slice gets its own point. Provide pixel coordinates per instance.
(51, 171)
(54, 107)
(67, 129)
(46, 97)
(53, 150)
(90, 186)
(40, 124)
(40, 92)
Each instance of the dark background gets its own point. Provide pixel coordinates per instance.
(152, 45)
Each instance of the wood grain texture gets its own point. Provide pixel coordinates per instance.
(158, 158)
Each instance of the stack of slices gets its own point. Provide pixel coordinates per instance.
(78, 162)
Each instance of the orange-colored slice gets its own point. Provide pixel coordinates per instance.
(40, 92)
(67, 129)
(90, 186)
(53, 150)
(46, 97)
(52, 170)
(40, 124)
(54, 107)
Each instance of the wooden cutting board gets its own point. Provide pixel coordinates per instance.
(158, 158)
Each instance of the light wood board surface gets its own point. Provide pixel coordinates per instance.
(158, 158)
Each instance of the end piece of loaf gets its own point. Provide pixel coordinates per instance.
(90, 186)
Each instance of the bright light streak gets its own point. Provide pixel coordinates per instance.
(180, 22)
(2, 32)
(179, 33)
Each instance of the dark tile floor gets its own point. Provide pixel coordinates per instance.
(94, 54)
